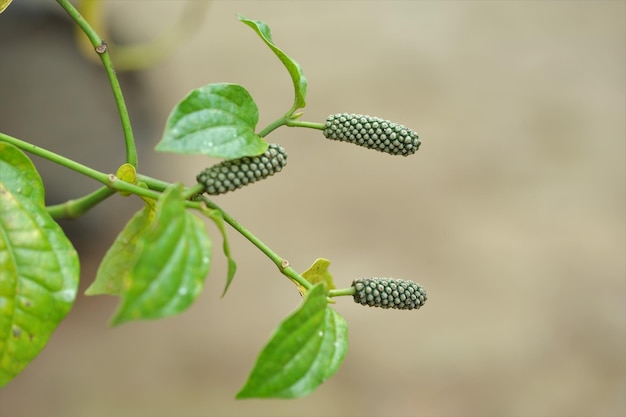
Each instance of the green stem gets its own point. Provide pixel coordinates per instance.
(273, 126)
(191, 191)
(302, 123)
(281, 263)
(153, 183)
(75, 208)
(284, 120)
(109, 180)
(131, 151)
(123, 186)
(56, 158)
(287, 120)
(342, 292)
(160, 185)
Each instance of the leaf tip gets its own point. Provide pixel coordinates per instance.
(241, 395)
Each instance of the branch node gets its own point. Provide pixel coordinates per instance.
(102, 48)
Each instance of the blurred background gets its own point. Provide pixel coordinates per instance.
(511, 215)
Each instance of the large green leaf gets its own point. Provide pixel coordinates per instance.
(305, 350)
(171, 263)
(39, 268)
(294, 69)
(217, 120)
(121, 256)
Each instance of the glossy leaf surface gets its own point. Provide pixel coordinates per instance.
(39, 268)
(121, 256)
(172, 261)
(304, 351)
(217, 120)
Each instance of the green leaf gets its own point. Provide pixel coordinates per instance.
(172, 262)
(121, 256)
(127, 173)
(19, 174)
(4, 4)
(294, 69)
(217, 218)
(305, 350)
(318, 272)
(217, 120)
(39, 268)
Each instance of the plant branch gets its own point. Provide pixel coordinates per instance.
(75, 208)
(101, 48)
(291, 121)
(342, 292)
(160, 185)
(274, 125)
(109, 180)
(192, 191)
(281, 263)
(153, 183)
(56, 158)
(302, 123)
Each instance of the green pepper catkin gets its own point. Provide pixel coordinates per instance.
(373, 133)
(389, 293)
(232, 174)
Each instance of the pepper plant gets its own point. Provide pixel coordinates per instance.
(159, 261)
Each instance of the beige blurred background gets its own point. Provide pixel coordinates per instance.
(511, 215)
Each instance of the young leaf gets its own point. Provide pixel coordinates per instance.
(19, 174)
(127, 173)
(38, 264)
(305, 350)
(121, 255)
(4, 4)
(318, 272)
(217, 218)
(172, 262)
(217, 120)
(294, 69)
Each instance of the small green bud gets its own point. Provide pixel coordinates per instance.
(373, 133)
(232, 174)
(389, 293)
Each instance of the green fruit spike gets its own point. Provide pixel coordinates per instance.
(372, 133)
(389, 293)
(232, 174)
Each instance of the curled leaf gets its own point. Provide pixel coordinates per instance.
(294, 69)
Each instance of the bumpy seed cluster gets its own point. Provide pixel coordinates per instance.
(373, 133)
(389, 293)
(235, 173)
